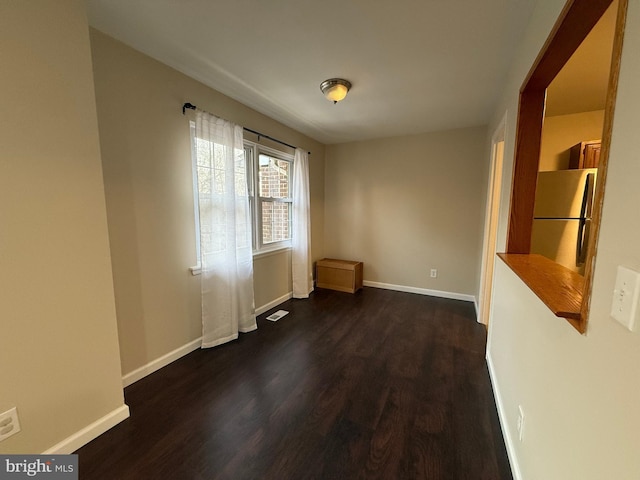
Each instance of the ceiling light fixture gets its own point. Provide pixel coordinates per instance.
(335, 89)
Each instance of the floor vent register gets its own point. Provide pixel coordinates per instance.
(274, 317)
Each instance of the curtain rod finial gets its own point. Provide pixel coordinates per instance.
(189, 106)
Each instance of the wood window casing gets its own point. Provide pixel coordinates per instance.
(566, 293)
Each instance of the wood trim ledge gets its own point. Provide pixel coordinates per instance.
(559, 288)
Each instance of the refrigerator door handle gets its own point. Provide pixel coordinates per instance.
(585, 221)
(583, 240)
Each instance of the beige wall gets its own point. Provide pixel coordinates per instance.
(59, 351)
(146, 155)
(267, 268)
(580, 394)
(405, 205)
(562, 132)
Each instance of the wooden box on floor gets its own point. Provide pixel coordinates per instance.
(341, 275)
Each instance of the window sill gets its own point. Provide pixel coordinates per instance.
(197, 269)
(559, 288)
(271, 251)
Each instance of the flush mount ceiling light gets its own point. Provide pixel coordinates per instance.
(335, 89)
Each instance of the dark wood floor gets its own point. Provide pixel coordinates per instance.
(377, 385)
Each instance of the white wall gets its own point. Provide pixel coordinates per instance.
(405, 205)
(146, 153)
(59, 358)
(580, 394)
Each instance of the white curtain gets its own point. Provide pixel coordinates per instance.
(225, 231)
(302, 273)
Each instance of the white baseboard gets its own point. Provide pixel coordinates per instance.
(504, 424)
(160, 362)
(421, 291)
(274, 303)
(88, 433)
(179, 352)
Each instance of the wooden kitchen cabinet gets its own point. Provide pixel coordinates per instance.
(585, 154)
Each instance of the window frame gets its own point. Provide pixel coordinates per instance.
(253, 151)
(197, 268)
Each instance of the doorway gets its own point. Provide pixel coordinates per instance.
(491, 222)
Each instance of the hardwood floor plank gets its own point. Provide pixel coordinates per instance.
(368, 399)
(385, 447)
(346, 452)
(373, 385)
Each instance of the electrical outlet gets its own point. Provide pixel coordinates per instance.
(9, 424)
(434, 273)
(520, 424)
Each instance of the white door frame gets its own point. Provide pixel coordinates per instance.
(492, 211)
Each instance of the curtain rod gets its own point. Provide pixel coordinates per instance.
(191, 106)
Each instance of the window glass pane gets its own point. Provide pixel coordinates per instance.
(274, 177)
(243, 229)
(204, 180)
(210, 165)
(276, 221)
(204, 152)
(213, 226)
(212, 178)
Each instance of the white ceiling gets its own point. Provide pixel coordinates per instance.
(415, 65)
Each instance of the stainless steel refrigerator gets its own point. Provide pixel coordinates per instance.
(562, 216)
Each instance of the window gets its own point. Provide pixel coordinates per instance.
(268, 175)
(271, 196)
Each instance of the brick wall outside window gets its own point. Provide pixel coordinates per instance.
(274, 182)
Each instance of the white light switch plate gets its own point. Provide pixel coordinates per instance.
(625, 297)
